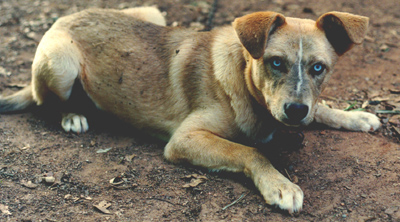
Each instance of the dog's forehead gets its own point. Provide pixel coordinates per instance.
(298, 34)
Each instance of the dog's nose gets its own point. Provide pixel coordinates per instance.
(296, 112)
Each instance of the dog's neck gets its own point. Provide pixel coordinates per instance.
(233, 72)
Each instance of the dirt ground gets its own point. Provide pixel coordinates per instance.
(345, 176)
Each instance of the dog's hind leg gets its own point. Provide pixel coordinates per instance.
(56, 66)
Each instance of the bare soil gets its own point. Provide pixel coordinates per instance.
(345, 176)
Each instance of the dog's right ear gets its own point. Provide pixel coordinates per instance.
(253, 30)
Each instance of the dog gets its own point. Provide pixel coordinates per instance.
(200, 91)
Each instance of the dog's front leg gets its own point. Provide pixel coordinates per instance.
(356, 120)
(206, 149)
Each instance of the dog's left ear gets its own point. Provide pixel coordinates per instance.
(343, 30)
(253, 30)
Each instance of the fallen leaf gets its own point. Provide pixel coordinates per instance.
(394, 91)
(365, 104)
(4, 210)
(117, 180)
(369, 39)
(196, 176)
(68, 197)
(395, 120)
(381, 99)
(86, 198)
(102, 206)
(26, 147)
(194, 183)
(28, 184)
(103, 150)
(196, 179)
(129, 158)
(17, 85)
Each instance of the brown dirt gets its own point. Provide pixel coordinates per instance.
(346, 176)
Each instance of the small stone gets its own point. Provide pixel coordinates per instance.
(391, 210)
(4, 72)
(384, 48)
(363, 195)
(49, 179)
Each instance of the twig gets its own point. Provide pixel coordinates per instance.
(7, 174)
(159, 199)
(288, 175)
(331, 98)
(235, 202)
(388, 111)
(211, 16)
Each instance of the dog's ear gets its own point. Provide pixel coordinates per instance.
(253, 30)
(343, 30)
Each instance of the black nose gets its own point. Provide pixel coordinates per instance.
(295, 112)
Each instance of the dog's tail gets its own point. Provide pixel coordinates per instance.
(17, 101)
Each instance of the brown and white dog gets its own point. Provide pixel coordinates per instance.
(200, 91)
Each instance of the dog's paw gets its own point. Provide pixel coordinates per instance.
(361, 121)
(73, 122)
(283, 194)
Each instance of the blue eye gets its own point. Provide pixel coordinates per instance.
(276, 63)
(317, 69)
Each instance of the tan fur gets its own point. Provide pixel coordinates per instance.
(201, 91)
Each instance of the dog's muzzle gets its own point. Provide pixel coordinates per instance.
(295, 113)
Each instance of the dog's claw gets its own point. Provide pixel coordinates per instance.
(76, 123)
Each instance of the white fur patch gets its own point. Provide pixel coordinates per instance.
(300, 56)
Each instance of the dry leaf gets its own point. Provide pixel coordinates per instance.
(117, 180)
(365, 104)
(102, 206)
(196, 176)
(28, 184)
(26, 147)
(196, 180)
(129, 158)
(103, 150)
(4, 210)
(17, 85)
(395, 120)
(394, 91)
(295, 179)
(194, 183)
(86, 198)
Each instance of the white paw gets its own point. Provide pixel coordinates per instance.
(283, 193)
(362, 121)
(75, 123)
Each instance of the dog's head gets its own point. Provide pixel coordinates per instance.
(289, 60)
